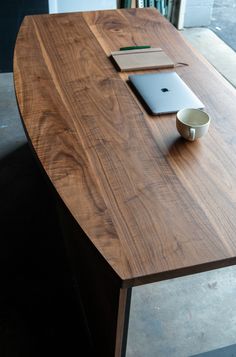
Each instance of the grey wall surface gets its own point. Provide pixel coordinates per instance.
(12, 13)
(198, 13)
(80, 5)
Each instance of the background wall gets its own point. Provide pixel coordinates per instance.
(12, 13)
(198, 13)
(80, 5)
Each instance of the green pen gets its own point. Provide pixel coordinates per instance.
(134, 48)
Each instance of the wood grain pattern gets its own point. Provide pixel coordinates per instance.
(153, 205)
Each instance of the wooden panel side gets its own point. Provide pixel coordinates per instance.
(106, 305)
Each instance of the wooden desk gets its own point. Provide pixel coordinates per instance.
(150, 205)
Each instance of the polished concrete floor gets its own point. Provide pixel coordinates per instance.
(39, 311)
(185, 316)
(223, 21)
(219, 54)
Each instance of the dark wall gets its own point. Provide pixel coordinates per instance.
(12, 13)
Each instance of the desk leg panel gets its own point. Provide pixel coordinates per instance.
(106, 306)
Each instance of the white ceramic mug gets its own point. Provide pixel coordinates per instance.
(192, 123)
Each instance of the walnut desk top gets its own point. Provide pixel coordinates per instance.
(154, 205)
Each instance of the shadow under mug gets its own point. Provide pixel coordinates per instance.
(192, 124)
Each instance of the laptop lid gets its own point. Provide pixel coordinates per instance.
(164, 92)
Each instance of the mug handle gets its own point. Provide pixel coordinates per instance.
(192, 134)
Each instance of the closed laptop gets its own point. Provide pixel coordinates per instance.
(164, 92)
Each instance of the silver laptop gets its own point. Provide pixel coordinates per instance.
(164, 92)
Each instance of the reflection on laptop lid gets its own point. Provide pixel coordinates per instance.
(164, 92)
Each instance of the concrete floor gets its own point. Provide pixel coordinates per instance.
(223, 21)
(11, 132)
(185, 316)
(176, 318)
(219, 54)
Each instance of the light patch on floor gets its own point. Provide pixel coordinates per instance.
(183, 316)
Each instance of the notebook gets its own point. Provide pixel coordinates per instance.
(149, 58)
(164, 92)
